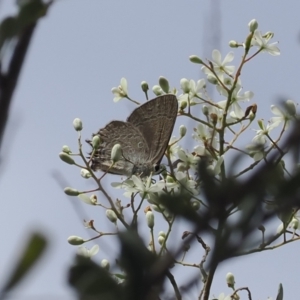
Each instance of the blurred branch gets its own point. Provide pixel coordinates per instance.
(20, 27)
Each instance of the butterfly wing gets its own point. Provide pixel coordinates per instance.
(155, 121)
(134, 148)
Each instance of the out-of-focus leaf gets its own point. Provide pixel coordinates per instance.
(8, 29)
(31, 12)
(280, 292)
(32, 252)
(92, 281)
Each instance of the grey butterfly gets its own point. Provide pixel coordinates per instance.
(144, 138)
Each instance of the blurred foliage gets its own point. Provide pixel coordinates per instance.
(146, 273)
(15, 36)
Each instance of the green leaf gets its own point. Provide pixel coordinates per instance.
(32, 252)
(280, 292)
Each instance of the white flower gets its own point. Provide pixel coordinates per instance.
(235, 98)
(282, 116)
(88, 252)
(219, 65)
(260, 137)
(256, 151)
(262, 43)
(204, 134)
(183, 185)
(223, 297)
(216, 169)
(126, 185)
(137, 185)
(173, 149)
(191, 90)
(120, 91)
(188, 160)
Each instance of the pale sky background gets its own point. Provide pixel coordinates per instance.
(80, 50)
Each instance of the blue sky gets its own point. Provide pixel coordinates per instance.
(80, 50)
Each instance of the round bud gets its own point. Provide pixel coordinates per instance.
(85, 173)
(66, 149)
(77, 123)
(195, 205)
(157, 90)
(144, 86)
(290, 107)
(261, 124)
(66, 158)
(96, 141)
(116, 153)
(233, 44)
(86, 199)
(182, 130)
(253, 25)
(150, 219)
(185, 85)
(105, 264)
(161, 240)
(182, 104)
(205, 110)
(230, 280)
(212, 79)
(75, 240)
(162, 233)
(111, 216)
(195, 59)
(164, 84)
(71, 192)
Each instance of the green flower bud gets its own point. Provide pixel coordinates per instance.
(290, 107)
(157, 90)
(71, 192)
(248, 42)
(170, 179)
(182, 105)
(144, 86)
(261, 124)
(228, 81)
(66, 158)
(85, 174)
(96, 141)
(150, 219)
(164, 84)
(75, 240)
(105, 264)
(294, 224)
(182, 130)
(66, 149)
(205, 110)
(111, 215)
(195, 59)
(230, 280)
(196, 205)
(185, 85)
(161, 240)
(253, 25)
(116, 153)
(181, 167)
(268, 35)
(86, 199)
(233, 44)
(162, 233)
(77, 124)
(212, 79)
